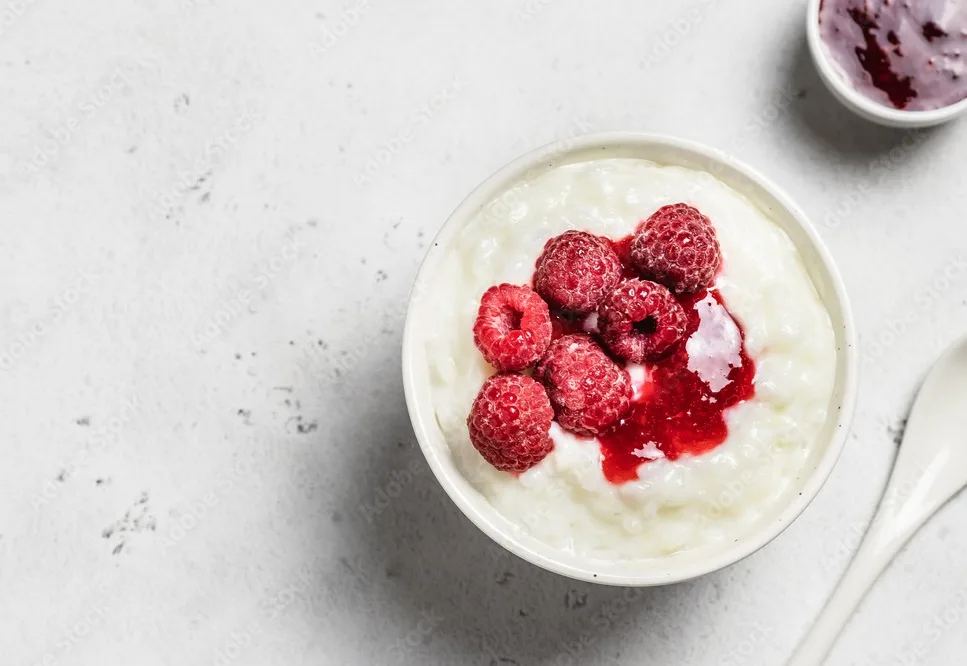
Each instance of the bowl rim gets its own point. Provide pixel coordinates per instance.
(857, 101)
(422, 415)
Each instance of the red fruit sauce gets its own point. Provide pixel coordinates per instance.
(563, 324)
(909, 54)
(677, 411)
(622, 248)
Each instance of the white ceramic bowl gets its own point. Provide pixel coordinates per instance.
(761, 192)
(856, 101)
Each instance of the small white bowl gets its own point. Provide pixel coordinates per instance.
(822, 272)
(856, 101)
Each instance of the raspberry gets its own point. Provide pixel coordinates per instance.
(513, 327)
(588, 390)
(677, 247)
(509, 422)
(641, 321)
(576, 270)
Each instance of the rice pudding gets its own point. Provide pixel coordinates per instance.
(760, 322)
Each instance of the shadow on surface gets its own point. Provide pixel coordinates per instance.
(824, 119)
(447, 591)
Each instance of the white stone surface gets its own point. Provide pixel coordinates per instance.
(187, 478)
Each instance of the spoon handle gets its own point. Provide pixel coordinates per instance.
(867, 565)
(912, 496)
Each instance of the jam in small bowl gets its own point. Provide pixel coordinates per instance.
(901, 63)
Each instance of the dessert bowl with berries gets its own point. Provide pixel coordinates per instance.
(631, 362)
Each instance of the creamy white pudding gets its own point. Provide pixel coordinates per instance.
(567, 500)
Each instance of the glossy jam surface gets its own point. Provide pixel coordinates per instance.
(563, 324)
(908, 54)
(681, 407)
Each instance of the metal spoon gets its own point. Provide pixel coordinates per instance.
(931, 468)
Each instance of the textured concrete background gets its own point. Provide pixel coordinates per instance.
(212, 213)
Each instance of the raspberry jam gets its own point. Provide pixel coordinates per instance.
(563, 324)
(681, 409)
(909, 54)
(622, 248)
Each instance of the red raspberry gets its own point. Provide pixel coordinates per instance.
(641, 321)
(509, 422)
(677, 247)
(588, 390)
(513, 327)
(576, 270)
